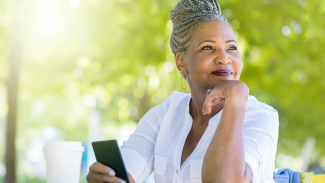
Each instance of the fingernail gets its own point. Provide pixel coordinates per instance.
(121, 181)
(111, 173)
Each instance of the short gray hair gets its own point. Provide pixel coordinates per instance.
(185, 17)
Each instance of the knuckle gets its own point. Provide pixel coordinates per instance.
(241, 84)
(102, 177)
(116, 179)
(93, 167)
(88, 178)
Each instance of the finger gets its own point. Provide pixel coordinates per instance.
(217, 101)
(102, 169)
(210, 100)
(207, 104)
(90, 178)
(204, 109)
(248, 172)
(105, 178)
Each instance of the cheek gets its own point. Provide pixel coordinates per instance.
(203, 67)
(238, 66)
(198, 64)
(198, 67)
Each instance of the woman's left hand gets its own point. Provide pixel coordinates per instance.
(229, 90)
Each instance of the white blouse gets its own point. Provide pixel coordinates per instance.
(158, 141)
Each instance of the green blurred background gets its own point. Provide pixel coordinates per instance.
(112, 58)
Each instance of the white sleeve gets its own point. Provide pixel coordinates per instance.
(138, 150)
(260, 138)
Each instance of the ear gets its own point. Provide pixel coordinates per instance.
(180, 63)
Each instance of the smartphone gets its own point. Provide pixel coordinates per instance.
(108, 153)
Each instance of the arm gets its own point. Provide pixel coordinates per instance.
(138, 151)
(224, 160)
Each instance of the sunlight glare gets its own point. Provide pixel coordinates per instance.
(74, 3)
(47, 19)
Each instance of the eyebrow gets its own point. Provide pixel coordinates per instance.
(212, 41)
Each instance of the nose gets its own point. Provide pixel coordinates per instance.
(222, 57)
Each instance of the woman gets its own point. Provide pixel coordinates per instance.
(217, 133)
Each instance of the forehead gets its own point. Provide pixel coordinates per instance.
(217, 30)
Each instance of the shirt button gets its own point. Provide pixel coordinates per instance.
(176, 171)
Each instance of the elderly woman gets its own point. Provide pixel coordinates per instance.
(217, 133)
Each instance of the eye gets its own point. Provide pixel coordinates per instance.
(207, 48)
(234, 48)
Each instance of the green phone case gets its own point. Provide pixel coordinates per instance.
(108, 153)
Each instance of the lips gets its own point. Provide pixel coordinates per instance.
(222, 72)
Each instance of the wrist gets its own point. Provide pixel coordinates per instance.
(237, 94)
(240, 90)
(236, 102)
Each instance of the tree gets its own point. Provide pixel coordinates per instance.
(12, 85)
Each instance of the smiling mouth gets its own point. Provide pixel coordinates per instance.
(222, 72)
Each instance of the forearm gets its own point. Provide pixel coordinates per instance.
(224, 160)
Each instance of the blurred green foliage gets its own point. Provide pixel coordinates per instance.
(114, 56)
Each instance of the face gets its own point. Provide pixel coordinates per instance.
(212, 55)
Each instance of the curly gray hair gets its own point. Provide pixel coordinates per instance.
(186, 16)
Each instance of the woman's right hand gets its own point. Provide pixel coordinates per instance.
(99, 173)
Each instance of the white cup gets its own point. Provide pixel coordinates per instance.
(63, 161)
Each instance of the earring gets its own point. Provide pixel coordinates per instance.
(182, 82)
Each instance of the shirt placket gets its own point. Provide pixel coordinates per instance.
(180, 144)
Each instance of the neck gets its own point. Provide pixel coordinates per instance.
(196, 106)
